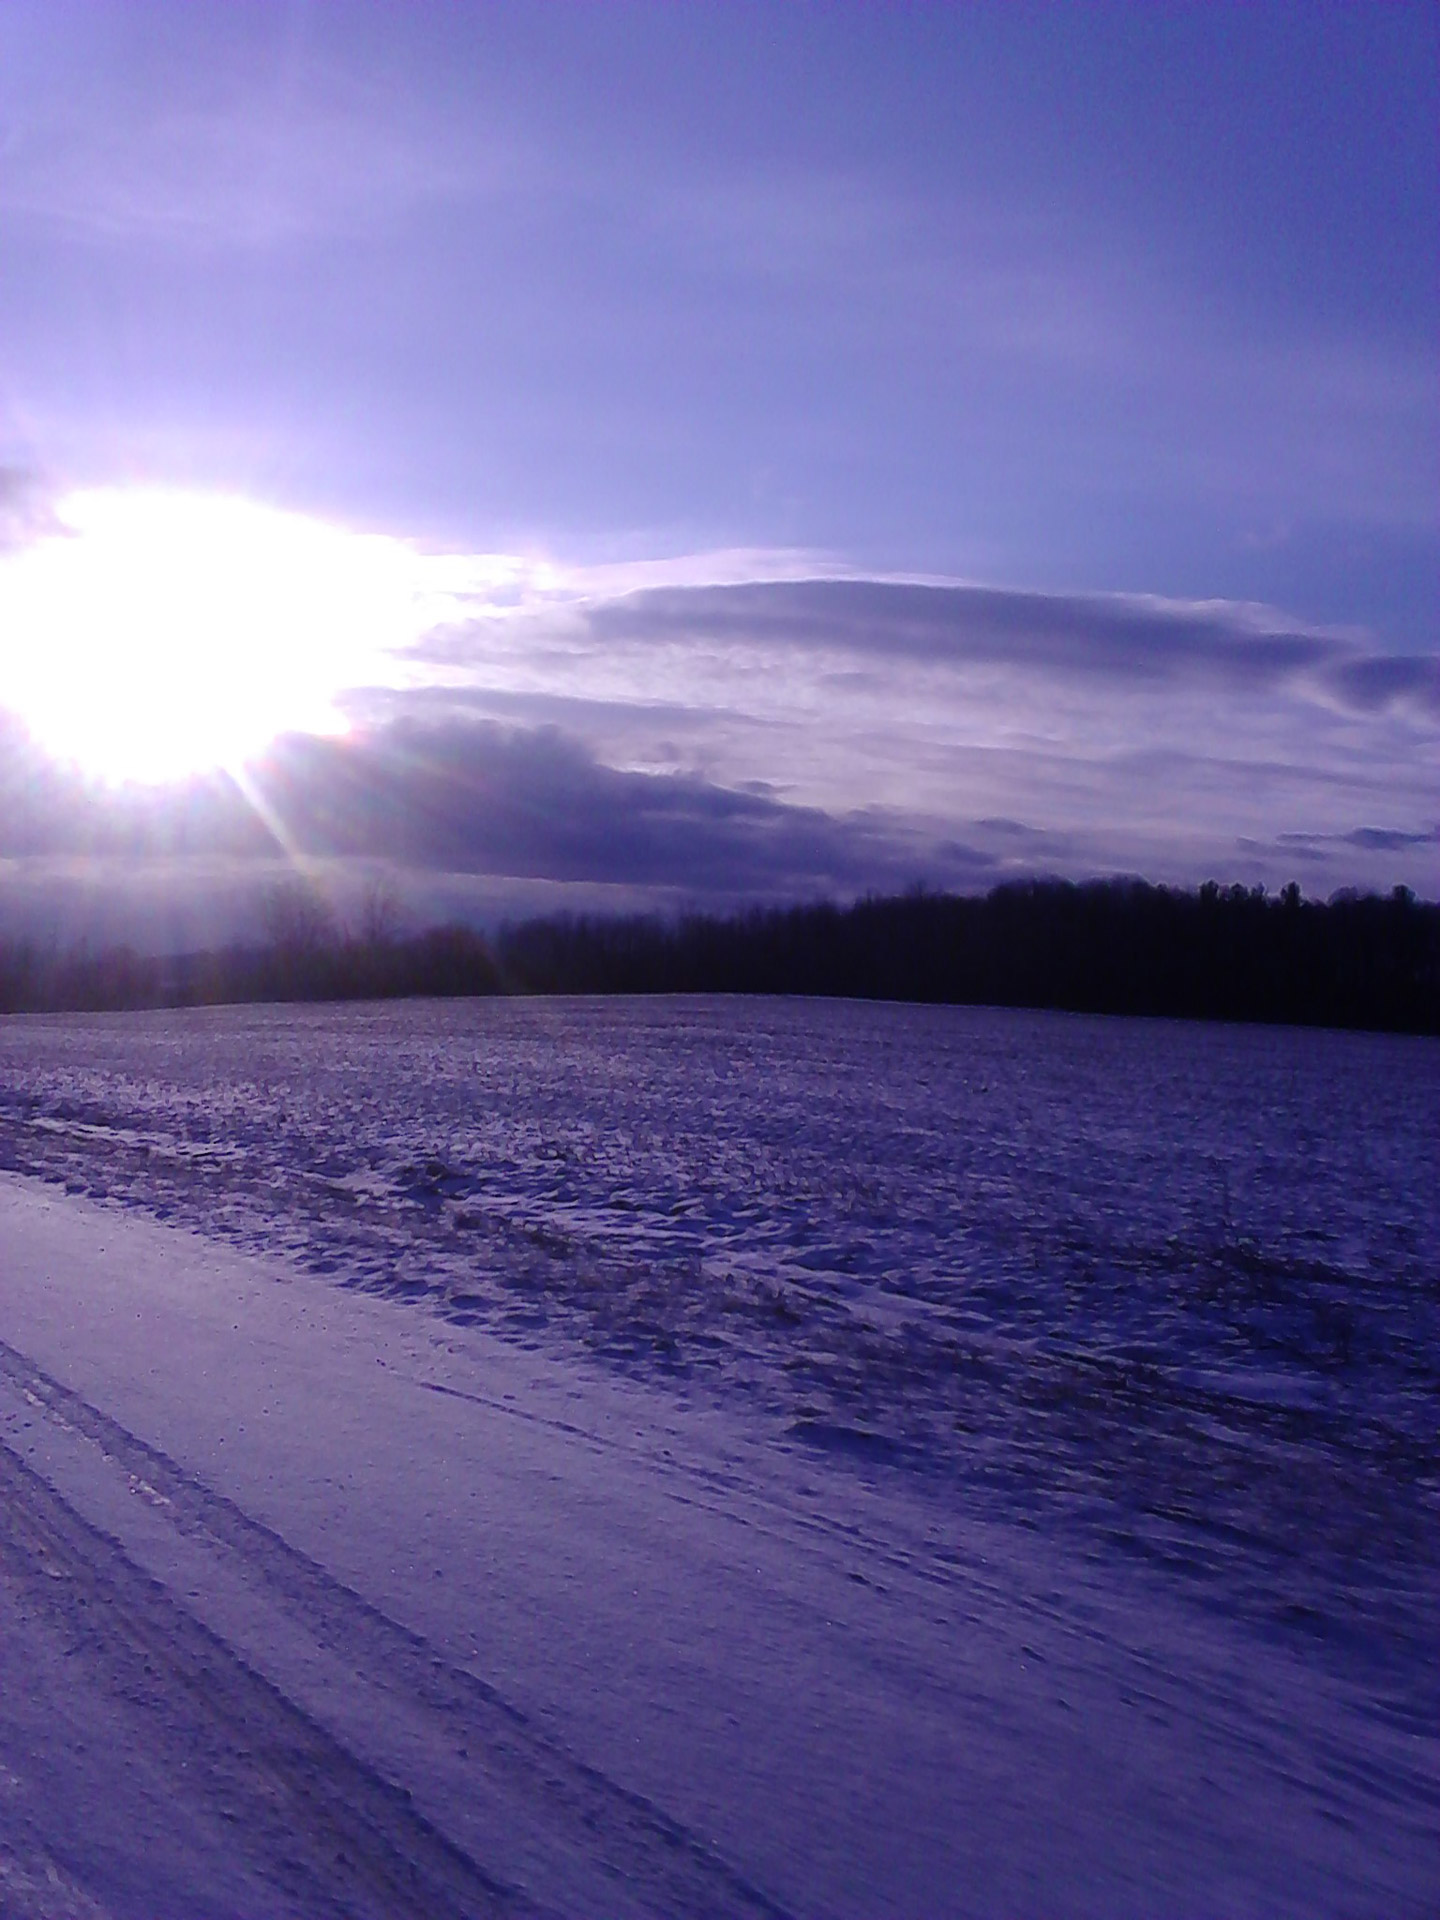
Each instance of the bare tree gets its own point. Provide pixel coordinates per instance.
(299, 920)
(379, 912)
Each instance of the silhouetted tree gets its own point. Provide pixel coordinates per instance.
(1102, 947)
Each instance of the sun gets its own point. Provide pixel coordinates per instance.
(150, 633)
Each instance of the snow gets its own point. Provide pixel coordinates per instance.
(315, 1603)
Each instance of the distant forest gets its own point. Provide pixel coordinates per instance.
(1101, 947)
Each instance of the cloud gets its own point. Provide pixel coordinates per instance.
(1386, 840)
(1386, 681)
(674, 738)
(1139, 640)
(253, 171)
(952, 700)
(1117, 731)
(482, 820)
(1320, 847)
(460, 797)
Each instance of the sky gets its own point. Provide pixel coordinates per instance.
(642, 456)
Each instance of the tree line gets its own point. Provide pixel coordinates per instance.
(1358, 960)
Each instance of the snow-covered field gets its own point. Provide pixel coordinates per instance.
(716, 1458)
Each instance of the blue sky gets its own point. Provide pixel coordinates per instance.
(1081, 359)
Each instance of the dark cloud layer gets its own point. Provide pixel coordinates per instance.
(474, 817)
(464, 797)
(1372, 839)
(1126, 639)
(1388, 680)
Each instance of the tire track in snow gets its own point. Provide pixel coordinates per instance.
(288, 1780)
(330, 1833)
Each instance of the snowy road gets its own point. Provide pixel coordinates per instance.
(312, 1604)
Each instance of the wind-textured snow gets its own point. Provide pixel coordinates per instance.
(955, 1443)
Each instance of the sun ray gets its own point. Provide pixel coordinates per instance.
(253, 796)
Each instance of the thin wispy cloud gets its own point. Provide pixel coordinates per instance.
(227, 178)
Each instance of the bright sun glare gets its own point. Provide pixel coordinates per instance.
(152, 634)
